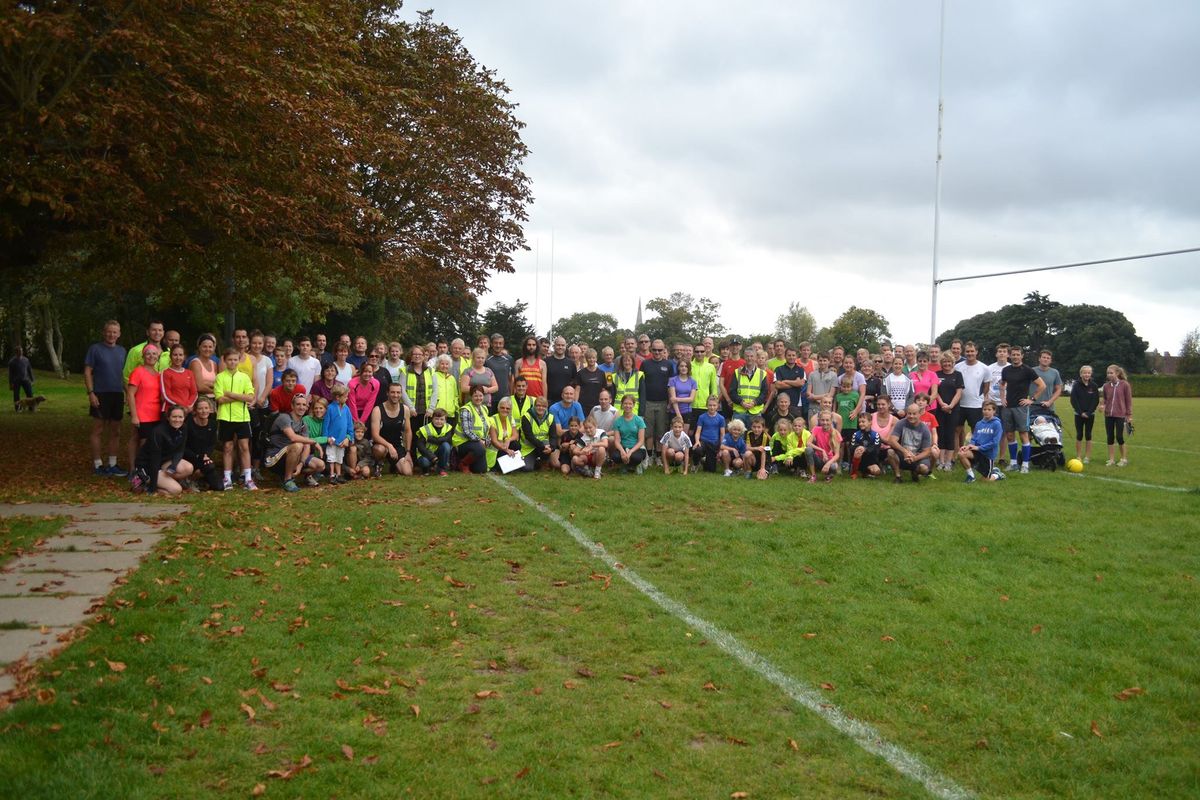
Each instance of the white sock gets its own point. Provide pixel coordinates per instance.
(112, 461)
(96, 463)
(970, 472)
(228, 476)
(245, 474)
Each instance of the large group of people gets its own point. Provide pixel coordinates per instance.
(310, 413)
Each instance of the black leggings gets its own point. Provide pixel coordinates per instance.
(1115, 427)
(1083, 427)
(948, 423)
(477, 453)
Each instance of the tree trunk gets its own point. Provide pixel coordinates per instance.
(53, 336)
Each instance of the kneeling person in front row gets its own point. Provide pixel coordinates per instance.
(981, 453)
(912, 443)
(291, 452)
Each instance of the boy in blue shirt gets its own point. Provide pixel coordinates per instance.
(984, 447)
(710, 430)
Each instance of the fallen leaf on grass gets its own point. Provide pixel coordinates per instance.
(598, 577)
(739, 795)
(886, 638)
(258, 790)
(205, 718)
(348, 752)
(487, 694)
(710, 687)
(455, 583)
(829, 687)
(247, 710)
(370, 760)
(521, 773)
(630, 678)
(664, 703)
(415, 709)
(559, 583)
(287, 773)
(584, 672)
(568, 684)
(1096, 730)
(792, 744)
(116, 666)
(610, 745)
(736, 740)
(810, 636)
(1132, 691)
(281, 687)
(1003, 598)
(1036, 629)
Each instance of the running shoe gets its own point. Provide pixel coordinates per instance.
(970, 479)
(311, 481)
(227, 485)
(1124, 462)
(728, 473)
(250, 486)
(1025, 468)
(596, 473)
(290, 486)
(113, 471)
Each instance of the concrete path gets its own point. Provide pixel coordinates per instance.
(46, 593)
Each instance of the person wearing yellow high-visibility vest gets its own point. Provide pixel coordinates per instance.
(471, 435)
(747, 392)
(707, 383)
(504, 438)
(627, 382)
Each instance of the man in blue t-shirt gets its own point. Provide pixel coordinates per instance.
(103, 375)
(984, 447)
(565, 410)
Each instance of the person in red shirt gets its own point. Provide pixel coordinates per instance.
(731, 365)
(178, 384)
(280, 398)
(532, 368)
(143, 395)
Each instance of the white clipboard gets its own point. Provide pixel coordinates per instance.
(510, 463)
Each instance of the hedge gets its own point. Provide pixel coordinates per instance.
(1165, 385)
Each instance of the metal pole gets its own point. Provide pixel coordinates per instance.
(1070, 266)
(551, 277)
(537, 268)
(937, 194)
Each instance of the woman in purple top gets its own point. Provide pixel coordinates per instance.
(323, 387)
(681, 390)
(478, 375)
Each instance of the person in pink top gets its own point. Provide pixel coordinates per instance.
(925, 381)
(143, 395)
(1117, 408)
(364, 388)
(178, 384)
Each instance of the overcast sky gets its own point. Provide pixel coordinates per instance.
(766, 153)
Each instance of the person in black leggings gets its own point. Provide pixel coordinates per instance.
(1085, 397)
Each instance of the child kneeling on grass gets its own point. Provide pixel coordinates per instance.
(733, 447)
(824, 448)
(590, 450)
(676, 447)
(758, 449)
(866, 449)
(980, 454)
(789, 446)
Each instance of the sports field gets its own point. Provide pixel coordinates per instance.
(640, 636)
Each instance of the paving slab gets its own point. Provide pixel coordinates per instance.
(65, 561)
(6, 683)
(116, 527)
(140, 542)
(93, 511)
(51, 611)
(30, 642)
(89, 584)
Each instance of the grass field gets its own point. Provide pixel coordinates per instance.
(441, 638)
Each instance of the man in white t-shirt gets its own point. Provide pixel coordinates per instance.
(1001, 362)
(977, 377)
(307, 366)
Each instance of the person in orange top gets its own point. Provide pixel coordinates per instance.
(178, 384)
(532, 368)
(143, 395)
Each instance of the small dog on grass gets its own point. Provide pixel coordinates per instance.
(30, 404)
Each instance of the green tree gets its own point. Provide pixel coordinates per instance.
(591, 327)
(1076, 334)
(680, 317)
(796, 325)
(855, 328)
(1189, 353)
(509, 321)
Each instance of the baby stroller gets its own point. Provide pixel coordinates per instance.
(1046, 438)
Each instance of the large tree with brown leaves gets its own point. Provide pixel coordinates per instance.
(207, 152)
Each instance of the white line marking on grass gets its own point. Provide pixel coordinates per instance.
(864, 735)
(1132, 483)
(1164, 449)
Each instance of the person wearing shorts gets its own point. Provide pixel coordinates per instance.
(234, 392)
(1016, 380)
(976, 382)
(103, 376)
(290, 451)
(912, 443)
